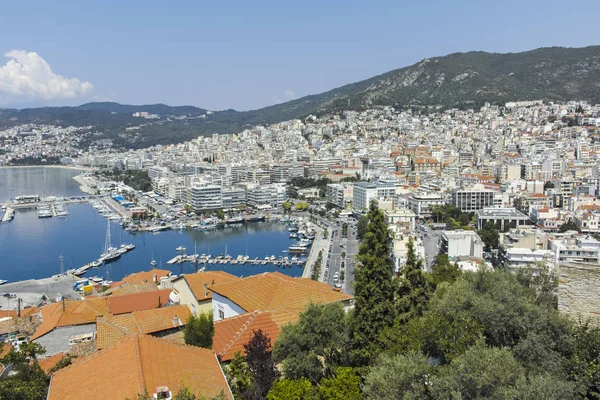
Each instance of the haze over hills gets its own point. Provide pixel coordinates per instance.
(455, 80)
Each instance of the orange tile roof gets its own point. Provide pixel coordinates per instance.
(75, 312)
(8, 313)
(145, 276)
(111, 329)
(275, 291)
(5, 349)
(47, 363)
(138, 301)
(138, 363)
(538, 195)
(210, 278)
(232, 334)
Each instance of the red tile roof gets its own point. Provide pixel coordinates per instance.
(272, 291)
(197, 281)
(139, 363)
(138, 301)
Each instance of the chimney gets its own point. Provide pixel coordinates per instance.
(18, 307)
(155, 278)
(205, 290)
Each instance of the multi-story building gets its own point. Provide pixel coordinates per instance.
(501, 217)
(421, 203)
(233, 197)
(204, 196)
(338, 194)
(364, 192)
(575, 248)
(461, 243)
(473, 199)
(270, 194)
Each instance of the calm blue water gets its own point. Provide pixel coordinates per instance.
(30, 247)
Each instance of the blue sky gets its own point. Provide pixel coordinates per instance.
(249, 54)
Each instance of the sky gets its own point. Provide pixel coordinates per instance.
(250, 54)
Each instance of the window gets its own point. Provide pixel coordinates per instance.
(221, 314)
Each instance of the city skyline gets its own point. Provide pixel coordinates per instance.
(203, 55)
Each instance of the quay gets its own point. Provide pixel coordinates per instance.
(31, 293)
(9, 214)
(17, 205)
(240, 260)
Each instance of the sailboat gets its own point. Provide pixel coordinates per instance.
(153, 262)
(110, 253)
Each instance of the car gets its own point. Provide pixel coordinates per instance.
(338, 285)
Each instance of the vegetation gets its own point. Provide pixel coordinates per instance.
(29, 160)
(239, 377)
(260, 364)
(361, 226)
(489, 235)
(373, 294)
(136, 179)
(314, 347)
(199, 330)
(548, 185)
(287, 206)
(27, 380)
(316, 270)
(570, 225)
(301, 206)
(452, 216)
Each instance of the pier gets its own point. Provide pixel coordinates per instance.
(9, 214)
(240, 260)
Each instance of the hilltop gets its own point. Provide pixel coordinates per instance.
(456, 80)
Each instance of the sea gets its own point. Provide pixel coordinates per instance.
(31, 248)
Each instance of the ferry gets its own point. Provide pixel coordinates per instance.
(235, 220)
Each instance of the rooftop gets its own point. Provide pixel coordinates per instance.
(272, 291)
(197, 281)
(138, 363)
(138, 301)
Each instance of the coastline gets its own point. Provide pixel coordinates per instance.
(83, 186)
(72, 167)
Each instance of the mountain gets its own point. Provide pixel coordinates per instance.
(455, 80)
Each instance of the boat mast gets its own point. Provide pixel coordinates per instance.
(107, 242)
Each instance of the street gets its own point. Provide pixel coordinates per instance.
(342, 250)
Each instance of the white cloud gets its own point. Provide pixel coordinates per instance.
(288, 95)
(28, 76)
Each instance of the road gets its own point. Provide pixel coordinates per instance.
(431, 243)
(342, 250)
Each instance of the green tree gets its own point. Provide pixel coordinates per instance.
(481, 373)
(293, 389)
(489, 235)
(239, 376)
(548, 185)
(301, 206)
(199, 330)
(373, 290)
(27, 381)
(570, 225)
(584, 364)
(399, 377)
(316, 270)
(443, 270)
(361, 226)
(260, 363)
(220, 214)
(344, 386)
(287, 206)
(314, 346)
(412, 287)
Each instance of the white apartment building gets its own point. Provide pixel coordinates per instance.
(364, 192)
(577, 248)
(403, 219)
(421, 203)
(270, 194)
(473, 199)
(158, 172)
(205, 196)
(335, 193)
(461, 243)
(233, 197)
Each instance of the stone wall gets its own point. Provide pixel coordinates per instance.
(579, 290)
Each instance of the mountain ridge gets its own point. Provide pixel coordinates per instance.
(455, 80)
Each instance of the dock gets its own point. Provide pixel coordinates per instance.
(240, 260)
(9, 214)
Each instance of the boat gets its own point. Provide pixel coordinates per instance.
(235, 220)
(293, 235)
(110, 253)
(3, 281)
(297, 248)
(153, 262)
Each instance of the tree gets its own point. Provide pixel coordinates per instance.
(199, 330)
(27, 380)
(301, 206)
(373, 294)
(260, 363)
(344, 229)
(361, 226)
(399, 377)
(570, 225)
(489, 235)
(314, 346)
(238, 376)
(287, 206)
(548, 185)
(443, 270)
(344, 386)
(316, 270)
(412, 287)
(481, 373)
(220, 214)
(293, 389)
